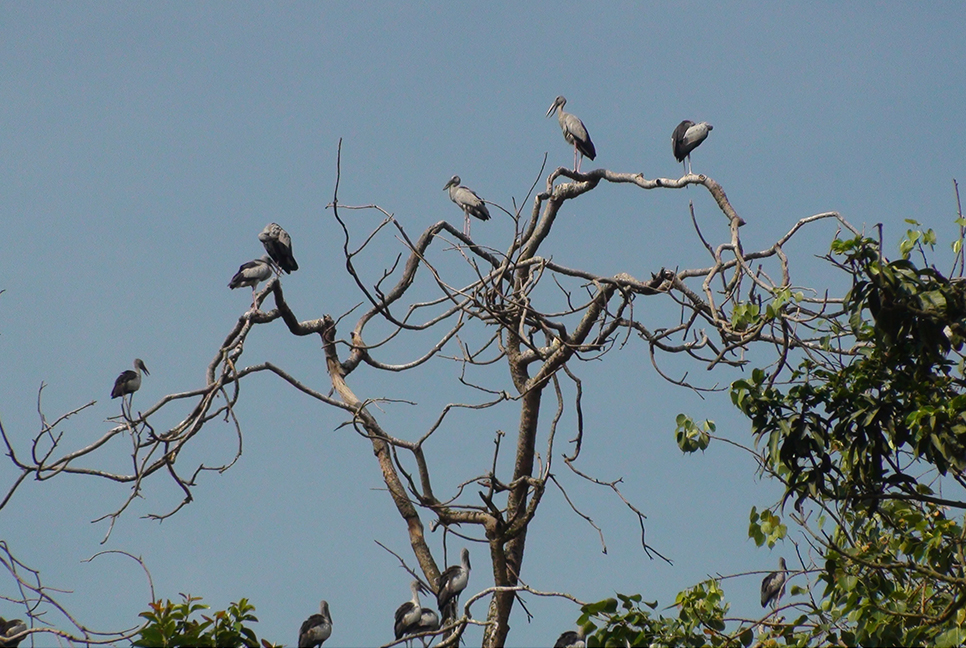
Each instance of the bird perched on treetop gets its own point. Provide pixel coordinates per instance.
(278, 244)
(317, 628)
(451, 582)
(467, 200)
(251, 274)
(574, 132)
(686, 137)
(773, 585)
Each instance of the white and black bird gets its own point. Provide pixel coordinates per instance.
(317, 628)
(409, 614)
(773, 585)
(574, 132)
(451, 582)
(129, 382)
(428, 622)
(571, 639)
(467, 200)
(251, 274)
(686, 137)
(9, 629)
(278, 244)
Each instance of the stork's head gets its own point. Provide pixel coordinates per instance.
(559, 102)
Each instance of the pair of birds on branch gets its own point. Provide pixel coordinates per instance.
(686, 137)
(278, 244)
(411, 617)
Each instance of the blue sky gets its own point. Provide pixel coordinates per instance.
(144, 146)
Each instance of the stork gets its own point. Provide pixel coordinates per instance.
(278, 244)
(467, 200)
(409, 614)
(686, 137)
(128, 383)
(251, 274)
(9, 629)
(773, 585)
(428, 622)
(451, 582)
(574, 132)
(317, 628)
(571, 639)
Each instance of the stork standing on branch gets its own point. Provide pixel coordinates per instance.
(317, 628)
(451, 582)
(128, 383)
(467, 200)
(574, 132)
(278, 244)
(409, 614)
(686, 137)
(10, 629)
(251, 274)
(773, 585)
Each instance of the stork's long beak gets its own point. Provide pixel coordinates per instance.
(552, 108)
(145, 369)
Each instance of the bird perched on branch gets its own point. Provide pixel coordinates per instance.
(773, 585)
(686, 137)
(278, 244)
(571, 639)
(251, 274)
(409, 614)
(428, 622)
(574, 132)
(129, 382)
(10, 629)
(317, 628)
(467, 200)
(451, 582)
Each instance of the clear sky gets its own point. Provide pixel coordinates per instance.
(143, 146)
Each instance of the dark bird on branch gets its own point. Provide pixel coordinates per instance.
(686, 137)
(127, 383)
(251, 274)
(571, 639)
(409, 614)
(773, 585)
(278, 244)
(317, 628)
(10, 629)
(467, 200)
(574, 132)
(451, 582)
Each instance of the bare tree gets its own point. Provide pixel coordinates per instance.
(446, 299)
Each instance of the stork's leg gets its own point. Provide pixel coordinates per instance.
(689, 164)
(253, 297)
(466, 224)
(576, 161)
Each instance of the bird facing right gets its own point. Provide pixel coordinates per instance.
(773, 585)
(686, 137)
(317, 628)
(451, 582)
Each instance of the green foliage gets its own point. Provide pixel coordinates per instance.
(170, 624)
(868, 436)
(690, 436)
